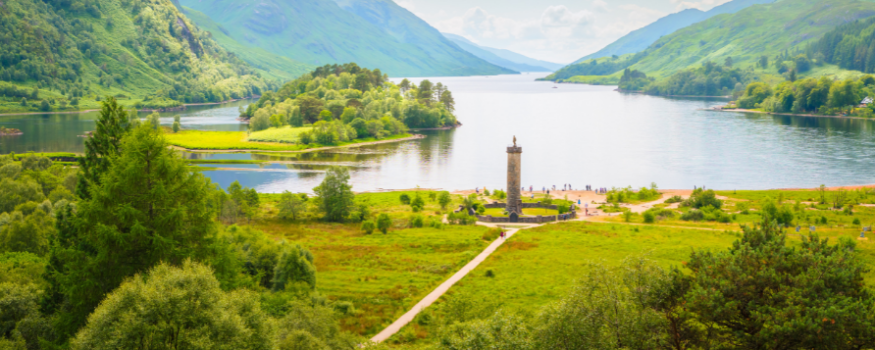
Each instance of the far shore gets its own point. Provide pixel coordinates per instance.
(160, 110)
(741, 110)
(411, 137)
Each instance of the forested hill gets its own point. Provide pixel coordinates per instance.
(850, 46)
(80, 50)
(373, 33)
(768, 29)
(640, 39)
(743, 38)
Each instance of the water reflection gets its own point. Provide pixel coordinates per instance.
(577, 134)
(60, 132)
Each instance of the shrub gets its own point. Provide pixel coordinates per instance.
(490, 274)
(563, 208)
(649, 218)
(405, 199)
(674, 199)
(305, 138)
(417, 221)
(780, 213)
(461, 219)
(368, 227)
(444, 199)
(383, 223)
(693, 215)
(417, 204)
(856, 221)
(700, 199)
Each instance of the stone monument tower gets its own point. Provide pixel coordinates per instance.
(514, 201)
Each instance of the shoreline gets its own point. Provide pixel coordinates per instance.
(409, 138)
(159, 110)
(741, 110)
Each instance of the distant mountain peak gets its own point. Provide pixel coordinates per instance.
(502, 57)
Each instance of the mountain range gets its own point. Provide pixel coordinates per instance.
(640, 39)
(372, 33)
(782, 28)
(504, 58)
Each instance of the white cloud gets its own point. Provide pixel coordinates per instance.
(703, 5)
(554, 22)
(409, 5)
(600, 6)
(557, 34)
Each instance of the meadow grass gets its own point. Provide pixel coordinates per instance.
(538, 266)
(284, 134)
(236, 140)
(382, 275)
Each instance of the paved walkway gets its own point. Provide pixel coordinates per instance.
(439, 291)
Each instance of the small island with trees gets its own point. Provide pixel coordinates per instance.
(4, 131)
(334, 105)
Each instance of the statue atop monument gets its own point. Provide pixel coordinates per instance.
(514, 140)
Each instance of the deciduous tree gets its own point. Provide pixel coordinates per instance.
(334, 194)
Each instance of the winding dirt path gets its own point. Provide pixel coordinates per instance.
(439, 291)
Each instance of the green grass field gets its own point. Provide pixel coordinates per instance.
(537, 266)
(284, 134)
(383, 275)
(236, 140)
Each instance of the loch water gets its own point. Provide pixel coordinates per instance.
(577, 134)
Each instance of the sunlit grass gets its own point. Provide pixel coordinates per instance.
(285, 134)
(236, 140)
(383, 275)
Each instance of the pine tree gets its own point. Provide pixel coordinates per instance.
(112, 125)
(147, 208)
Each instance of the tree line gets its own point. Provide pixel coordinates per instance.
(824, 96)
(346, 102)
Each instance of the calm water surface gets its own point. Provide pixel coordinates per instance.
(574, 134)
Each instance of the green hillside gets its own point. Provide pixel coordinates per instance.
(75, 52)
(372, 33)
(641, 39)
(271, 65)
(744, 37)
(768, 29)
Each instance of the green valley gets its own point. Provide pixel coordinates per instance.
(67, 55)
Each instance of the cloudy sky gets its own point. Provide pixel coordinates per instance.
(558, 31)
